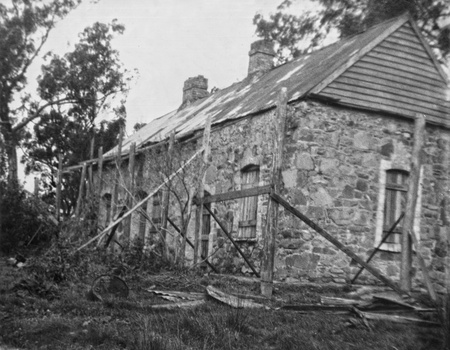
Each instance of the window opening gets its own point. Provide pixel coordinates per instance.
(247, 224)
(395, 202)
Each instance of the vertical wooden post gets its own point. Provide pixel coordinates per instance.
(59, 185)
(411, 200)
(201, 190)
(271, 228)
(166, 195)
(91, 171)
(36, 186)
(100, 180)
(130, 190)
(80, 191)
(117, 176)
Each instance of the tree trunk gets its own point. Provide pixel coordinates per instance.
(10, 142)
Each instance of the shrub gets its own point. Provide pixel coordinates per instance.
(24, 219)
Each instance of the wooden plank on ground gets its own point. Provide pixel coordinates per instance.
(233, 301)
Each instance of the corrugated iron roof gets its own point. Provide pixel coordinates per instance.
(253, 95)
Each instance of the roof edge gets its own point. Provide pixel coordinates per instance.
(399, 21)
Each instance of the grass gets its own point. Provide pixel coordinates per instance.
(67, 319)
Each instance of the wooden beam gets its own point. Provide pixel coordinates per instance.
(100, 181)
(411, 200)
(379, 245)
(201, 189)
(224, 229)
(227, 196)
(80, 191)
(91, 190)
(130, 190)
(188, 241)
(166, 196)
(58, 186)
(336, 243)
(423, 267)
(271, 227)
(138, 205)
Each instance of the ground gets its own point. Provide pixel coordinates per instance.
(37, 314)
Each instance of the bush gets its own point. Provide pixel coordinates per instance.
(24, 219)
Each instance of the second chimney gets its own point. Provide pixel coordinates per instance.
(194, 89)
(261, 55)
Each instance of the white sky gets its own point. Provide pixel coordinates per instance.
(169, 41)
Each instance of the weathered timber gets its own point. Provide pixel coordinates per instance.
(166, 196)
(249, 192)
(114, 229)
(185, 223)
(100, 181)
(201, 188)
(398, 319)
(59, 185)
(411, 200)
(336, 243)
(130, 190)
(117, 176)
(232, 300)
(224, 229)
(91, 170)
(271, 227)
(139, 204)
(80, 191)
(423, 268)
(378, 247)
(188, 241)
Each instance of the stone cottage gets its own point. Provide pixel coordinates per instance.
(345, 161)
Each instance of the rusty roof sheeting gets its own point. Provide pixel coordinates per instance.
(253, 95)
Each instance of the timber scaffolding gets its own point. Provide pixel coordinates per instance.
(276, 200)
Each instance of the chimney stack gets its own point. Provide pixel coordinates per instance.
(194, 89)
(261, 55)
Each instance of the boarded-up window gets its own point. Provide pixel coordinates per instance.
(247, 223)
(395, 202)
(107, 200)
(206, 229)
(156, 213)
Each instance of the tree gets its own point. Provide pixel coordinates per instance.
(349, 17)
(24, 29)
(77, 87)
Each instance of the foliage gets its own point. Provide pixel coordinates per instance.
(24, 220)
(298, 34)
(87, 79)
(24, 28)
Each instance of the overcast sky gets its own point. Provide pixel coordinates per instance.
(168, 41)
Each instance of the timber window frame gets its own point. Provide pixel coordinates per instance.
(206, 229)
(389, 191)
(249, 205)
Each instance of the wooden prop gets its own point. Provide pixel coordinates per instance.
(130, 190)
(166, 196)
(336, 243)
(411, 200)
(188, 241)
(379, 245)
(138, 205)
(222, 226)
(201, 188)
(271, 228)
(80, 191)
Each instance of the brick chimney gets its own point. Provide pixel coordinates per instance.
(194, 89)
(261, 55)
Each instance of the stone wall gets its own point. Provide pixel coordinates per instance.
(332, 171)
